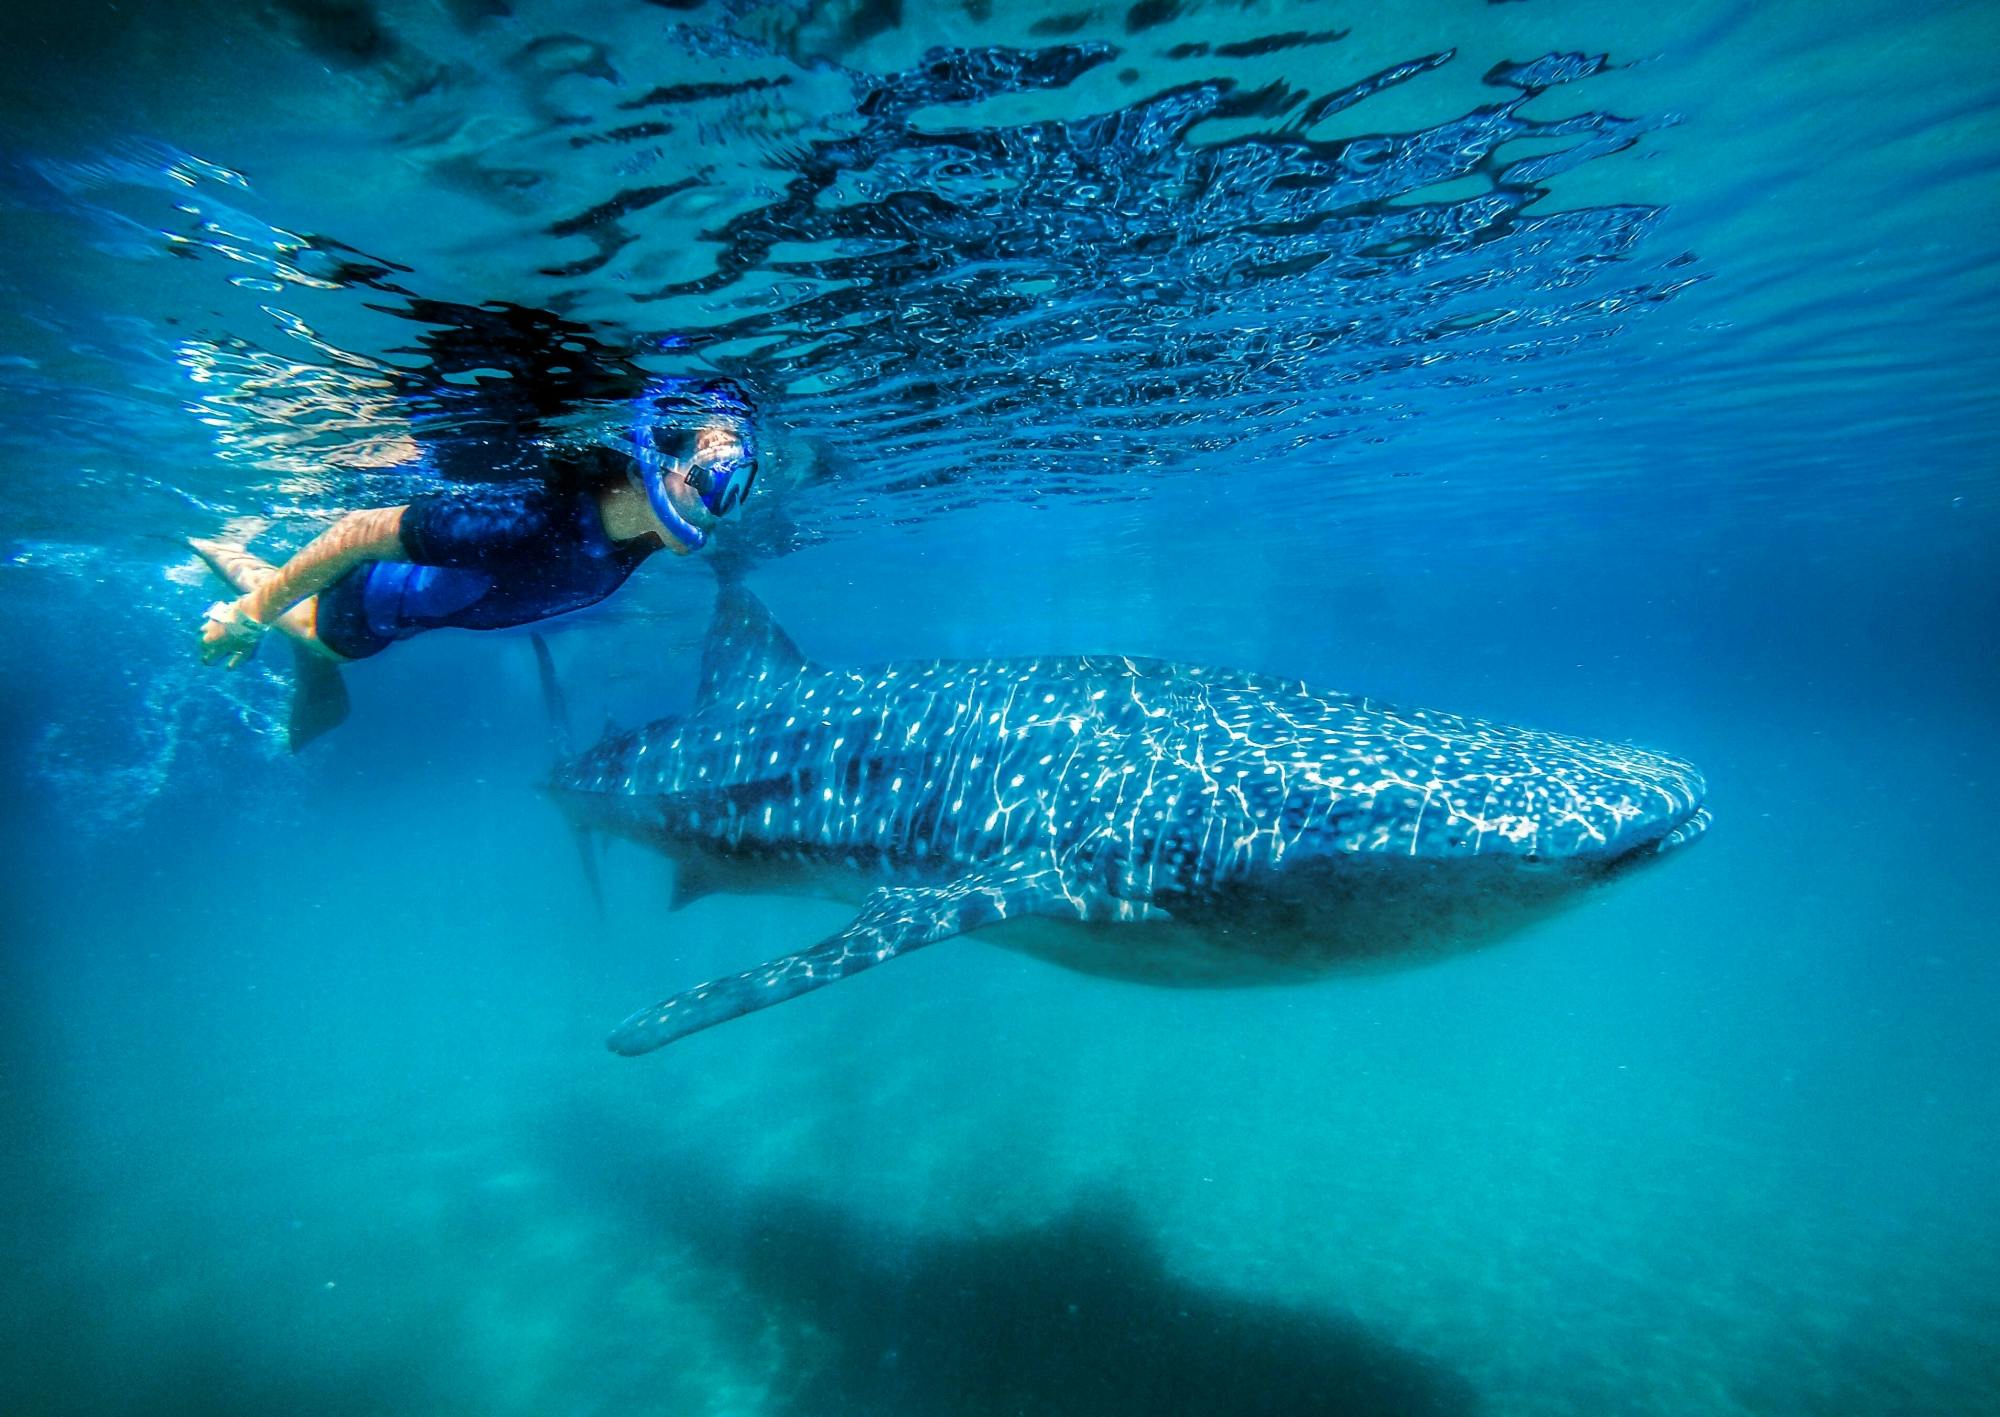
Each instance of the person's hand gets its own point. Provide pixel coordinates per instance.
(229, 636)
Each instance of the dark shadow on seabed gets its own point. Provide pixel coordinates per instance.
(1077, 1316)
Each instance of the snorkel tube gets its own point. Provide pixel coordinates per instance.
(653, 473)
(685, 404)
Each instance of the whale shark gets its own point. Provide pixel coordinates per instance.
(1134, 818)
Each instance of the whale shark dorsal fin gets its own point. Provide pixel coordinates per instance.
(746, 654)
(892, 922)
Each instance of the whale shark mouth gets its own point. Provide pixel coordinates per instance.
(1697, 822)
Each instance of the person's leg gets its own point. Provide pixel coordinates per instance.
(244, 572)
(319, 698)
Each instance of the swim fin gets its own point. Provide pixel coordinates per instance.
(319, 697)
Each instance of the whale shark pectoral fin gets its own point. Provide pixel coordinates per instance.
(892, 922)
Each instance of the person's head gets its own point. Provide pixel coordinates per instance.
(694, 455)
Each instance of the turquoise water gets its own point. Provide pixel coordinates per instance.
(1107, 328)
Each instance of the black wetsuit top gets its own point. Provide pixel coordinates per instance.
(480, 558)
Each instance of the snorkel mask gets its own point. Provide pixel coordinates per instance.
(667, 422)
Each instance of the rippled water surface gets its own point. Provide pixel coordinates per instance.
(1622, 371)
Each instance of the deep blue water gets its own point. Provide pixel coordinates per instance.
(1646, 397)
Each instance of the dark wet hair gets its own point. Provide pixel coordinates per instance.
(586, 468)
(692, 400)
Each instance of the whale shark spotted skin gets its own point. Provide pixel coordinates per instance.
(1129, 817)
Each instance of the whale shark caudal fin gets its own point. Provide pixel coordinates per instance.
(893, 921)
(746, 656)
(556, 709)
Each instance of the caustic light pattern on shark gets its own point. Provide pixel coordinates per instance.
(1130, 817)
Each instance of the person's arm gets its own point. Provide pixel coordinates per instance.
(358, 537)
(374, 535)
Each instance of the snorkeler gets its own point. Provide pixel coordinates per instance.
(488, 557)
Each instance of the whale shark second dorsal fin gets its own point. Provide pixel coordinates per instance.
(746, 654)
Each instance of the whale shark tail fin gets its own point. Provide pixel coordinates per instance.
(556, 708)
(746, 655)
(892, 922)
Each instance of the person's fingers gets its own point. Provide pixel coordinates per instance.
(218, 646)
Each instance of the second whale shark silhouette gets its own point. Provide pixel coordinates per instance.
(1136, 818)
